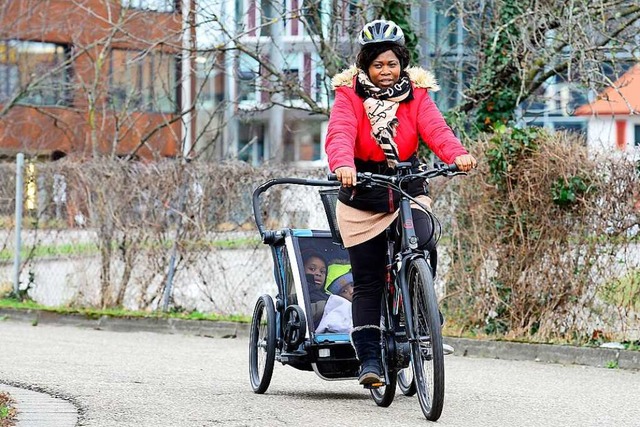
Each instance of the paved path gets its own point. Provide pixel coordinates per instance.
(38, 409)
(148, 379)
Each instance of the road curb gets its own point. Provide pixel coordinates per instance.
(547, 353)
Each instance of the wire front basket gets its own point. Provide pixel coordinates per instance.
(329, 199)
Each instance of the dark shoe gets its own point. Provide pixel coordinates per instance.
(370, 373)
(366, 342)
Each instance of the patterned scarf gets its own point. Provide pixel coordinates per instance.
(381, 106)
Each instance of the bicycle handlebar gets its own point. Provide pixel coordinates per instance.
(404, 174)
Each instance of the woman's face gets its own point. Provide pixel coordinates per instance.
(384, 71)
(317, 268)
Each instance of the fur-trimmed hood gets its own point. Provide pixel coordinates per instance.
(419, 77)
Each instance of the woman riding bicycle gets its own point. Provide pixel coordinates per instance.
(381, 109)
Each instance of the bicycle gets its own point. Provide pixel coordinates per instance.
(411, 344)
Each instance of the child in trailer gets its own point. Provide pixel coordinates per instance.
(315, 271)
(337, 311)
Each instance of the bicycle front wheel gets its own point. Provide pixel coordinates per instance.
(427, 358)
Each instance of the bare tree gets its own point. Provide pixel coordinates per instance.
(513, 49)
(505, 54)
(92, 78)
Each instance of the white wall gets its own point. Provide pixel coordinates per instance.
(601, 133)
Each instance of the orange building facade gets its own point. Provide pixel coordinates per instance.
(90, 77)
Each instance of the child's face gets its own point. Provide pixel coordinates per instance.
(317, 268)
(347, 292)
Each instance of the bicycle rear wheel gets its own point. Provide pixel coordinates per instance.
(383, 396)
(405, 381)
(262, 344)
(427, 358)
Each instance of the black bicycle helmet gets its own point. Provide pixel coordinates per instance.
(381, 31)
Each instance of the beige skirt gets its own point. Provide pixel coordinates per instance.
(358, 226)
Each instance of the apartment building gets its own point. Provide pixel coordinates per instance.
(267, 124)
(90, 77)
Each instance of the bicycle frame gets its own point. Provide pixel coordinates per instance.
(408, 250)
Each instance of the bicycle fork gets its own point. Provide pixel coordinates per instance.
(401, 279)
(409, 242)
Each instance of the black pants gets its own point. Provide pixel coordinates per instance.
(369, 268)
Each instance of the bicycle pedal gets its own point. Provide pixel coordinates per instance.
(374, 385)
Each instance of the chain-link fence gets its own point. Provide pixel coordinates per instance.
(110, 233)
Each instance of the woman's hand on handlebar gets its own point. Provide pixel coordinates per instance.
(466, 162)
(346, 175)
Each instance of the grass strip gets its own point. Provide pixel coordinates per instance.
(49, 251)
(86, 249)
(94, 313)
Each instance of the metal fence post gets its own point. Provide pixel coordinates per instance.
(174, 249)
(19, 201)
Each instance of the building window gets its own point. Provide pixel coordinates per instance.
(447, 97)
(573, 126)
(251, 142)
(239, 15)
(636, 135)
(143, 81)
(267, 14)
(446, 28)
(318, 87)
(153, 5)
(312, 16)
(293, 72)
(248, 78)
(291, 82)
(302, 141)
(38, 72)
(209, 81)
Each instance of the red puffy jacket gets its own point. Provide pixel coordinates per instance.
(349, 130)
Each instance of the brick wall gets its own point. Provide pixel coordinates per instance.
(87, 122)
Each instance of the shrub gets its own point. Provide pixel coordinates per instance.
(538, 229)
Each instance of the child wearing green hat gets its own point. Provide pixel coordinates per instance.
(340, 280)
(337, 311)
